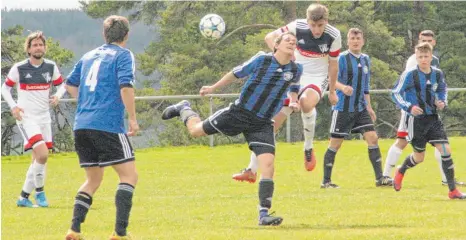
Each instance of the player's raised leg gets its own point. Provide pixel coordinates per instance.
(308, 100)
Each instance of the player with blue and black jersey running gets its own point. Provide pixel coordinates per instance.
(396, 149)
(421, 92)
(353, 112)
(271, 78)
(102, 81)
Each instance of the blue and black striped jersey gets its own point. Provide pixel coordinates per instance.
(417, 88)
(355, 72)
(267, 85)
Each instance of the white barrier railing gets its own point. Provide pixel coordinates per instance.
(235, 95)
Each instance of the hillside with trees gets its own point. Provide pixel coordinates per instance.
(187, 61)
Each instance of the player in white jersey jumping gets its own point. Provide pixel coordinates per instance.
(397, 148)
(35, 76)
(318, 48)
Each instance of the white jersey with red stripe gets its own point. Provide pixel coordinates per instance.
(34, 88)
(314, 53)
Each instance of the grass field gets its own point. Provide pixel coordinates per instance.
(187, 193)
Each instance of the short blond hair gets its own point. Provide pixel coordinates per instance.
(115, 29)
(316, 12)
(32, 36)
(424, 47)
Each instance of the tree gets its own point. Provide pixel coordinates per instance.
(187, 61)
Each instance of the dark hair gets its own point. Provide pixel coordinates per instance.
(427, 33)
(32, 36)
(115, 29)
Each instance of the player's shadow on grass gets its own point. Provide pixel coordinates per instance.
(303, 226)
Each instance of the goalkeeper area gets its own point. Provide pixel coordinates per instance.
(188, 193)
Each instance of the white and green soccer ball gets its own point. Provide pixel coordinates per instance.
(212, 26)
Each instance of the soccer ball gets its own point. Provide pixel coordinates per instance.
(212, 26)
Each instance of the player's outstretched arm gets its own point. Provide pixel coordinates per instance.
(226, 80)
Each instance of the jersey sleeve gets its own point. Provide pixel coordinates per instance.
(56, 78)
(290, 27)
(13, 76)
(441, 91)
(341, 69)
(249, 66)
(335, 47)
(367, 87)
(411, 62)
(126, 68)
(398, 92)
(295, 83)
(74, 77)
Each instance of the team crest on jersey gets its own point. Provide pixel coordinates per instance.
(434, 87)
(47, 76)
(323, 48)
(288, 76)
(365, 69)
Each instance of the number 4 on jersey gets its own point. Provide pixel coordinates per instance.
(91, 78)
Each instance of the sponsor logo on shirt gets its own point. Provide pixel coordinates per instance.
(323, 47)
(47, 76)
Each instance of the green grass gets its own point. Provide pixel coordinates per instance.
(187, 193)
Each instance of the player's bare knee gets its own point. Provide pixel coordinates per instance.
(196, 130)
(444, 149)
(335, 143)
(418, 156)
(371, 138)
(401, 143)
(93, 183)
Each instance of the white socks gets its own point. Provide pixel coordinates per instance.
(392, 157)
(394, 154)
(39, 174)
(29, 185)
(253, 163)
(309, 125)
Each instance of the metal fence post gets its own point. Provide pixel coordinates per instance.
(211, 106)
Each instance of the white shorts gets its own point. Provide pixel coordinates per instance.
(402, 131)
(318, 84)
(36, 134)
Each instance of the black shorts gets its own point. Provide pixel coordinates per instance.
(344, 123)
(425, 129)
(100, 149)
(234, 120)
